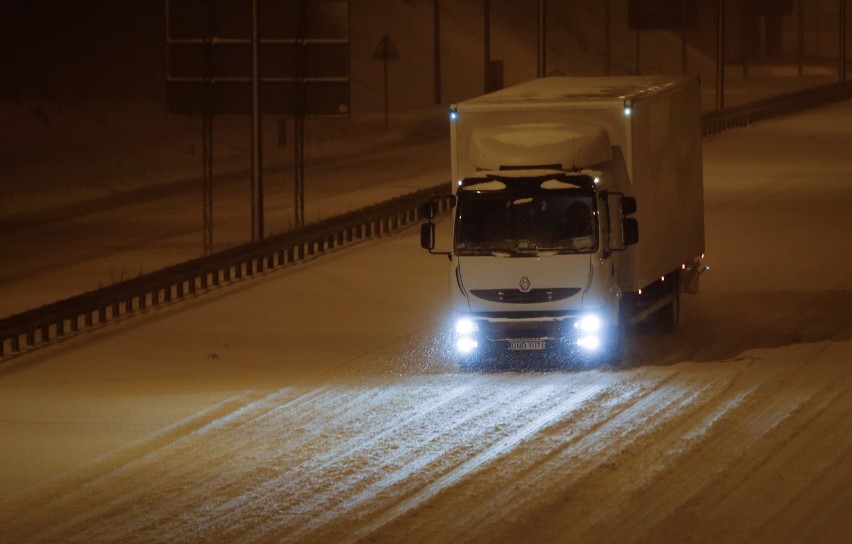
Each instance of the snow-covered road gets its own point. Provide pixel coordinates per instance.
(316, 404)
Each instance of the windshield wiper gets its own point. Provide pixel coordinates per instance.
(468, 251)
(517, 252)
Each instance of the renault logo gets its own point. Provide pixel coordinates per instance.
(525, 284)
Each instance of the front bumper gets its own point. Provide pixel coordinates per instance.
(482, 334)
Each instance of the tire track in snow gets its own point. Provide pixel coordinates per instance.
(316, 410)
(470, 466)
(821, 509)
(240, 456)
(92, 498)
(296, 482)
(719, 442)
(63, 485)
(573, 448)
(789, 456)
(421, 453)
(654, 457)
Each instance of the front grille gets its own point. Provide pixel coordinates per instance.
(514, 296)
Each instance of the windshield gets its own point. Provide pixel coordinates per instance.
(525, 219)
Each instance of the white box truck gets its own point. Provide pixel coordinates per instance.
(577, 210)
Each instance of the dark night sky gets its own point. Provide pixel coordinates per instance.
(89, 49)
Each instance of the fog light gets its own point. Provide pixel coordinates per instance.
(466, 345)
(589, 342)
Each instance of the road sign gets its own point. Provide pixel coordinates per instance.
(385, 50)
(303, 48)
(661, 14)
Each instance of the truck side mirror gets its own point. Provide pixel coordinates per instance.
(629, 231)
(427, 236)
(628, 205)
(428, 211)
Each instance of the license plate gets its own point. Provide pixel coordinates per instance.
(527, 345)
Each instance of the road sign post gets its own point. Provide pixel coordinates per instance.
(385, 51)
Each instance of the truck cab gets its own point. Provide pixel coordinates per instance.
(534, 262)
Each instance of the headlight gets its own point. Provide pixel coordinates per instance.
(466, 326)
(589, 323)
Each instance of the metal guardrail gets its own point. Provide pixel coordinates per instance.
(741, 116)
(41, 326)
